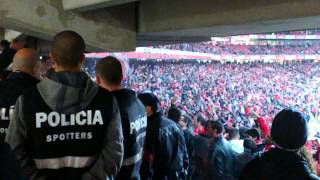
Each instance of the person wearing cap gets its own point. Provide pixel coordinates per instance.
(165, 153)
(289, 133)
(6, 54)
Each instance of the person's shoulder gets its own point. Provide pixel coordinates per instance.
(251, 170)
(9, 90)
(104, 93)
(125, 96)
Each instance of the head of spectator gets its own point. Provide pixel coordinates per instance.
(242, 132)
(67, 51)
(253, 134)
(214, 129)
(199, 121)
(4, 44)
(27, 60)
(151, 103)
(175, 114)
(109, 73)
(17, 44)
(186, 122)
(249, 145)
(233, 134)
(289, 130)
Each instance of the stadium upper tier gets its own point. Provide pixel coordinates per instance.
(298, 45)
(234, 49)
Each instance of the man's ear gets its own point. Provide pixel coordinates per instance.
(83, 58)
(98, 80)
(52, 56)
(148, 110)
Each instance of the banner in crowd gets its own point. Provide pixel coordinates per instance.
(157, 53)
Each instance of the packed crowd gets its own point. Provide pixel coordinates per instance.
(233, 91)
(189, 120)
(232, 49)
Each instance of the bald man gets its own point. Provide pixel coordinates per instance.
(24, 76)
(67, 128)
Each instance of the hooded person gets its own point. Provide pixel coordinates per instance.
(289, 133)
(67, 127)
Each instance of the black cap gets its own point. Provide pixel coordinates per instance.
(250, 144)
(254, 133)
(289, 130)
(149, 99)
(4, 43)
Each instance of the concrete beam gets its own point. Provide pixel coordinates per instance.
(189, 18)
(103, 30)
(1, 34)
(86, 5)
(150, 40)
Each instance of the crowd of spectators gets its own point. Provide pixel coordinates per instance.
(236, 49)
(231, 91)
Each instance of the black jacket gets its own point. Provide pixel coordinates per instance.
(200, 156)
(6, 57)
(13, 87)
(189, 138)
(134, 124)
(165, 153)
(10, 90)
(67, 128)
(277, 165)
(222, 160)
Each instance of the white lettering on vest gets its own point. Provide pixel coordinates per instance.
(55, 119)
(40, 118)
(97, 118)
(138, 124)
(63, 120)
(80, 121)
(6, 113)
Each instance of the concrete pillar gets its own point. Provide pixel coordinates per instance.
(103, 30)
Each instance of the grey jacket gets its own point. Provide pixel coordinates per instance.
(69, 93)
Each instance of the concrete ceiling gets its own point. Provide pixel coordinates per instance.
(87, 5)
(121, 25)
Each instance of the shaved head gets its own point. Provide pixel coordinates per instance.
(26, 60)
(68, 49)
(110, 70)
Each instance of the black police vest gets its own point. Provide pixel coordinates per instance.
(9, 94)
(52, 134)
(134, 123)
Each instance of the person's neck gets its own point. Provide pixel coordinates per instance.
(112, 88)
(24, 71)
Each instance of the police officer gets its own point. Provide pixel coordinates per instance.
(24, 76)
(133, 116)
(67, 127)
(165, 153)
